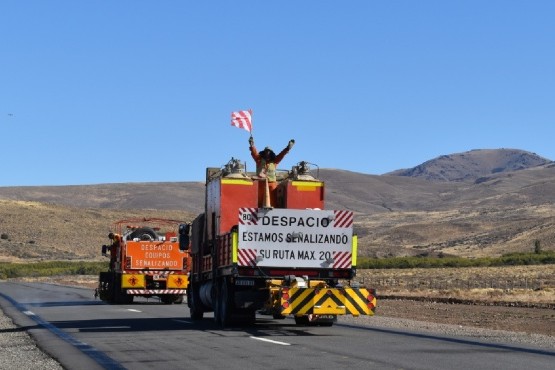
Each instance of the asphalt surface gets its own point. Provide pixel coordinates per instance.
(80, 332)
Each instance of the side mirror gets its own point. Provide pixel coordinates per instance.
(184, 240)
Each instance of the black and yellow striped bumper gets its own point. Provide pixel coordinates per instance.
(327, 301)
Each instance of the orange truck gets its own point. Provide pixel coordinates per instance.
(148, 257)
(288, 259)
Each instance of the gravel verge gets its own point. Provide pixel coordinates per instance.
(19, 351)
(465, 332)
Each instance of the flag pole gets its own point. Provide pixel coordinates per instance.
(252, 127)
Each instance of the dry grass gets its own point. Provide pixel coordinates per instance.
(460, 283)
(85, 281)
(463, 232)
(40, 231)
(50, 231)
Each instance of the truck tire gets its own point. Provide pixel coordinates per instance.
(105, 286)
(224, 307)
(171, 298)
(178, 299)
(306, 321)
(120, 297)
(196, 309)
(245, 317)
(301, 320)
(167, 298)
(143, 233)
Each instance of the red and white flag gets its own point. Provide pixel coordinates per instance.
(242, 119)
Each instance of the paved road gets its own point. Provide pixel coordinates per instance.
(83, 333)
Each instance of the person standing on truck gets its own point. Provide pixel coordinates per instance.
(266, 165)
(114, 249)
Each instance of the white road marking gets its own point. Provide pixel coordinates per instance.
(271, 341)
(133, 310)
(29, 313)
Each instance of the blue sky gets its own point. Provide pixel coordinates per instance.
(142, 91)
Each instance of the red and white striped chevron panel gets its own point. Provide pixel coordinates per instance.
(342, 260)
(343, 219)
(252, 220)
(160, 273)
(247, 257)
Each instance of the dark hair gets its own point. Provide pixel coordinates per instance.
(270, 153)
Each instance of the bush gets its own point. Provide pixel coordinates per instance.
(537, 247)
(51, 268)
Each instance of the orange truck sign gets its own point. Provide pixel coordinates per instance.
(154, 255)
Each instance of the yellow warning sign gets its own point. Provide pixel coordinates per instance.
(132, 281)
(177, 281)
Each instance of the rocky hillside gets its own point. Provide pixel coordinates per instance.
(472, 165)
(504, 204)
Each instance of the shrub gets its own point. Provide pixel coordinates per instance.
(537, 247)
(51, 268)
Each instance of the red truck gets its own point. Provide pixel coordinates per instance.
(292, 258)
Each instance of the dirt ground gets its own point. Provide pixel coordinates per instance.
(518, 319)
(421, 294)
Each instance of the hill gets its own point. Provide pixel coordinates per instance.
(502, 205)
(154, 195)
(473, 164)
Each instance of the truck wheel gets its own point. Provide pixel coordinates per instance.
(247, 317)
(193, 301)
(306, 320)
(113, 290)
(217, 302)
(301, 320)
(105, 287)
(178, 299)
(120, 297)
(167, 298)
(128, 298)
(224, 306)
(143, 233)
